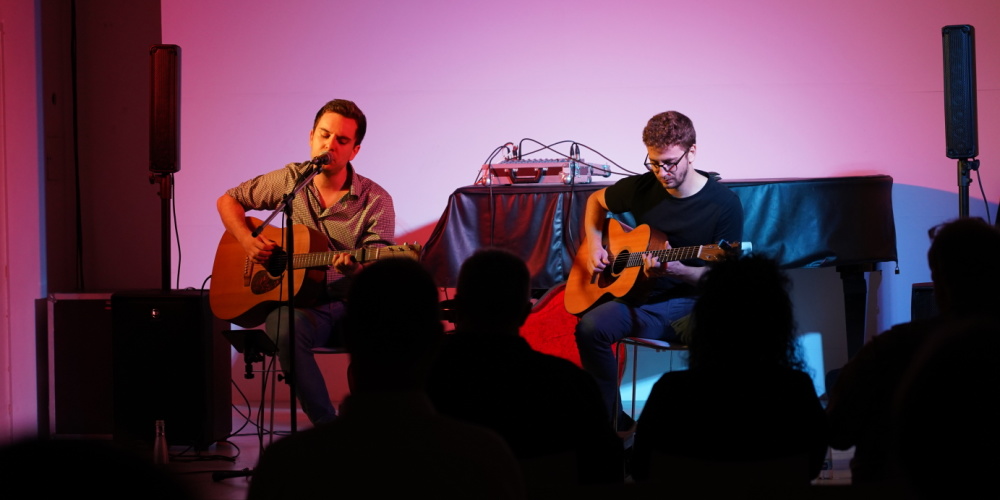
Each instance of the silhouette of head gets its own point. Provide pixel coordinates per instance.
(493, 292)
(393, 325)
(962, 267)
(744, 316)
(945, 420)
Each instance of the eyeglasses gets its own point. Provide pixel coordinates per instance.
(670, 166)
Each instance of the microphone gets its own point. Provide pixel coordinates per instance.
(322, 159)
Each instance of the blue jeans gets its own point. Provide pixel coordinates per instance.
(612, 321)
(314, 327)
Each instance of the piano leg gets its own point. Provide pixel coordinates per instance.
(855, 304)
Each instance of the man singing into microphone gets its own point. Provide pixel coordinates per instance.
(350, 210)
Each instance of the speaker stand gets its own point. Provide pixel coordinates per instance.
(166, 181)
(964, 179)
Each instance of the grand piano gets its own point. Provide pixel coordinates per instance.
(841, 222)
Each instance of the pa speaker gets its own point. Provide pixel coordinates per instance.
(922, 302)
(171, 363)
(74, 365)
(960, 112)
(164, 109)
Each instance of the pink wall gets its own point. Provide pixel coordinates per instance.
(21, 249)
(777, 88)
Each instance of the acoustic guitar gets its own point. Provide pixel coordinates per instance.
(623, 276)
(243, 292)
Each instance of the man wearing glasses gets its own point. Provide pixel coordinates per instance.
(688, 206)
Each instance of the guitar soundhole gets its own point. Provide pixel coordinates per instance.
(277, 263)
(262, 282)
(619, 263)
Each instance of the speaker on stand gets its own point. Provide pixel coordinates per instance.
(960, 108)
(164, 138)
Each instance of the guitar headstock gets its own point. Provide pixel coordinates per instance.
(410, 250)
(721, 251)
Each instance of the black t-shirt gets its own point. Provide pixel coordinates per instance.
(709, 216)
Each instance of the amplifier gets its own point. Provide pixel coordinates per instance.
(172, 363)
(540, 171)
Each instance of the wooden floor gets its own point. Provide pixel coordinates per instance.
(205, 471)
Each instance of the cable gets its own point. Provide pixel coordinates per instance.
(986, 203)
(177, 234)
(78, 220)
(609, 160)
(489, 164)
(570, 156)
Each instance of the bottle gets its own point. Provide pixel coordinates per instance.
(827, 471)
(161, 452)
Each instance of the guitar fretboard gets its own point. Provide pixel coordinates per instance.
(634, 259)
(322, 259)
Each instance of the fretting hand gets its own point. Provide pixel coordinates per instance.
(652, 267)
(345, 264)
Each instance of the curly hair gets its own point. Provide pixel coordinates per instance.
(744, 317)
(670, 128)
(347, 109)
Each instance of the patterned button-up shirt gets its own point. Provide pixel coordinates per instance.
(363, 217)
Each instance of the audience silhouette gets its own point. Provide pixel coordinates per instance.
(862, 402)
(546, 408)
(389, 441)
(84, 468)
(744, 397)
(945, 423)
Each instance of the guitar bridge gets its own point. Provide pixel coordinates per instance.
(247, 271)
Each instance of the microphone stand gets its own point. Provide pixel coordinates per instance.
(286, 207)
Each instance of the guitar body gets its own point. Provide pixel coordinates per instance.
(585, 290)
(244, 292)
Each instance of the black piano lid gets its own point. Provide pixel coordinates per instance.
(819, 222)
(801, 223)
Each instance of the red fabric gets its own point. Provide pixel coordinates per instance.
(550, 329)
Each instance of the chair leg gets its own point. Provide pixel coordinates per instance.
(635, 376)
(618, 393)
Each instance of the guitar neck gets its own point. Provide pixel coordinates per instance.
(665, 255)
(322, 259)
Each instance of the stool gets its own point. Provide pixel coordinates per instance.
(315, 351)
(636, 343)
